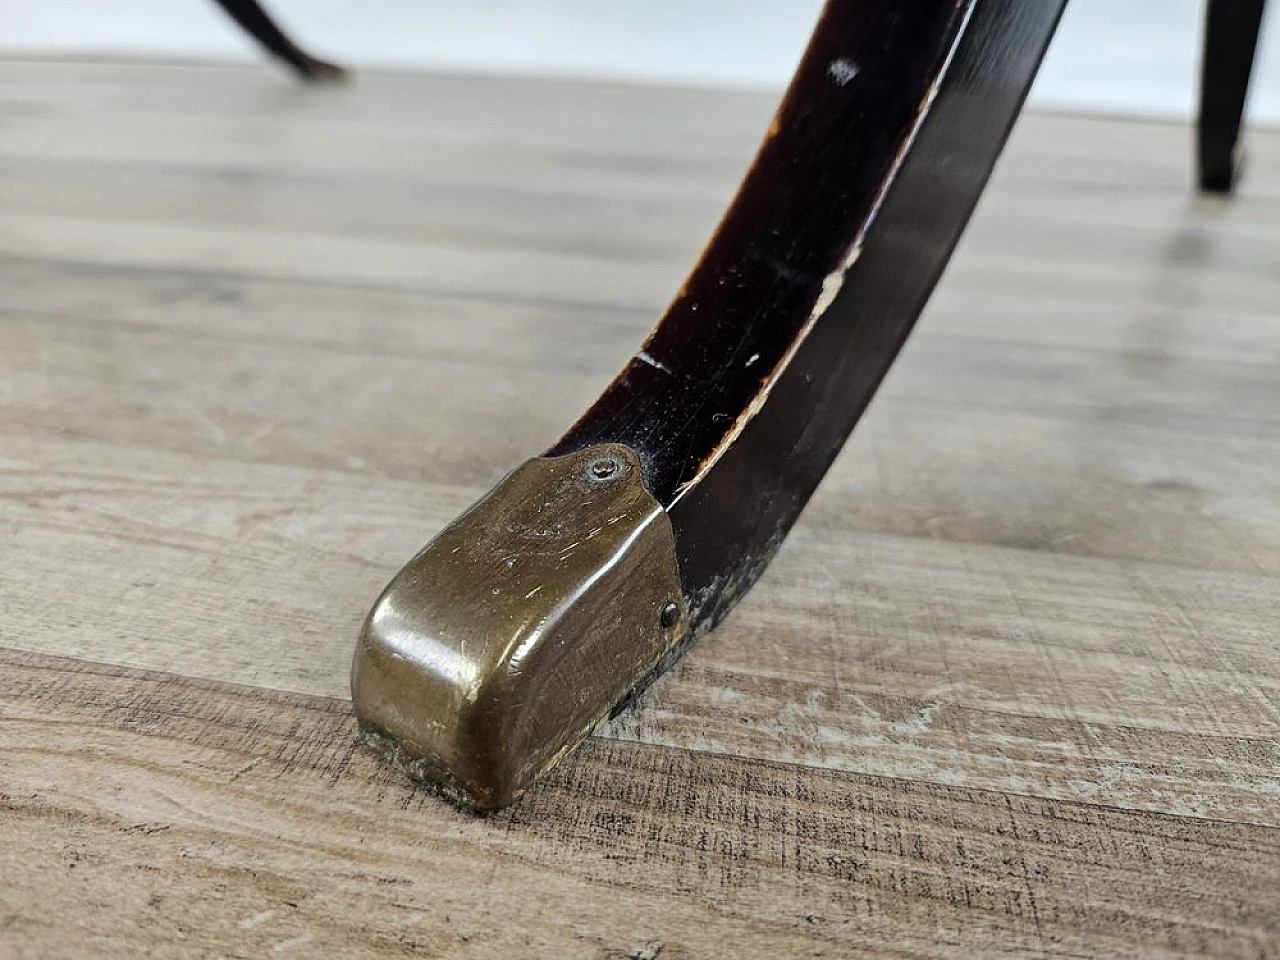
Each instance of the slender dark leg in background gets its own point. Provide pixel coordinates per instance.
(1230, 39)
(262, 28)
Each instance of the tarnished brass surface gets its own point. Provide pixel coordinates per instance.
(513, 633)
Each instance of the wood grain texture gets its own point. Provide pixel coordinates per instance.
(1011, 686)
(194, 815)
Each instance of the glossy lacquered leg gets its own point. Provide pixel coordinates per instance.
(258, 24)
(589, 570)
(1230, 42)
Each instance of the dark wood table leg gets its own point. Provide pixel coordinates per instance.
(1230, 42)
(258, 24)
(588, 570)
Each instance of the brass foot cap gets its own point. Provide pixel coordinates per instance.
(513, 634)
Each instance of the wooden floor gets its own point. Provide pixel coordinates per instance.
(1011, 687)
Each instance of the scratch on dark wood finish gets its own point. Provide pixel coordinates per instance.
(746, 390)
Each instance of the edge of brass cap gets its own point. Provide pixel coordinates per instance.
(511, 635)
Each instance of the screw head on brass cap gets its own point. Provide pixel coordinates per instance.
(515, 632)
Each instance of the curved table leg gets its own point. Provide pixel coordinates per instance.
(1230, 42)
(588, 570)
(258, 24)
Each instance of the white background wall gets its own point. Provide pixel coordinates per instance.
(1128, 56)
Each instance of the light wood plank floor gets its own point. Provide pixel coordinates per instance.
(1011, 687)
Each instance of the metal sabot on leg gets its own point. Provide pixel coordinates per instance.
(513, 633)
(521, 626)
